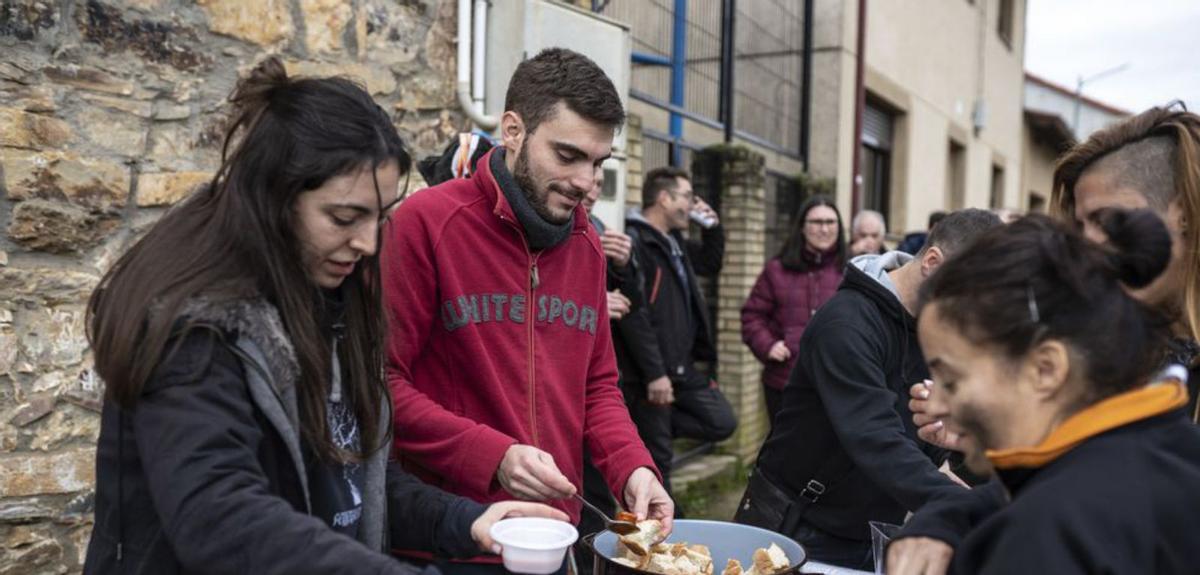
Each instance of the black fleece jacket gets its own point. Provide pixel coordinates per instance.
(1122, 502)
(194, 479)
(651, 342)
(848, 398)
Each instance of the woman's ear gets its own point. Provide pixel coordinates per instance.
(1050, 363)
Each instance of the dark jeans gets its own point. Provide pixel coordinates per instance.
(699, 412)
(774, 399)
(834, 550)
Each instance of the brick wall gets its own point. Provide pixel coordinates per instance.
(109, 113)
(737, 174)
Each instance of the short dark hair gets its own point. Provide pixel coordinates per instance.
(934, 218)
(658, 180)
(560, 75)
(1037, 279)
(960, 228)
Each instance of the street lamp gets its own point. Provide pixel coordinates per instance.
(1079, 92)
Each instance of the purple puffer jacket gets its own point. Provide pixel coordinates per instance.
(780, 306)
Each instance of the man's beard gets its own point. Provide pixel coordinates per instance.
(537, 198)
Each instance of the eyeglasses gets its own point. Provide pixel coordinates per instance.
(820, 223)
(690, 196)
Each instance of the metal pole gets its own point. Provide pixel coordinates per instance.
(860, 102)
(728, 13)
(678, 75)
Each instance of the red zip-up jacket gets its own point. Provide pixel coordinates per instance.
(492, 344)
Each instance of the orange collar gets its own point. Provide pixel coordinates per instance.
(1142, 403)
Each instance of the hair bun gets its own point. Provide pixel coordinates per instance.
(1140, 242)
(256, 88)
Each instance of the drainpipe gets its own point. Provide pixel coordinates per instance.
(728, 14)
(806, 75)
(465, 102)
(678, 71)
(860, 101)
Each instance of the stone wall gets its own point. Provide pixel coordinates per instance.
(109, 112)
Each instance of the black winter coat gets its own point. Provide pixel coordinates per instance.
(848, 398)
(196, 478)
(643, 358)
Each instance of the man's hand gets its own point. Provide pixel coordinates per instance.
(617, 247)
(929, 429)
(918, 556)
(704, 209)
(660, 392)
(618, 305)
(530, 473)
(482, 527)
(647, 499)
(779, 352)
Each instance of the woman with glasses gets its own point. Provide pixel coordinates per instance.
(791, 287)
(246, 423)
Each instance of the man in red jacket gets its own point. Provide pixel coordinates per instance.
(501, 360)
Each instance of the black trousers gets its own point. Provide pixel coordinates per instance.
(700, 412)
(774, 398)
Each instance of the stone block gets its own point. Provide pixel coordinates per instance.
(27, 20)
(21, 129)
(121, 134)
(93, 184)
(20, 510)
(53, 338)
(87, 79)
(324, 24)
(159, 41)
(263, 22)
(56, 227)
(36, 408)
(64, 427)
(379, 80)
(31, 558)
(24, 474)
(41, 286)
(139, 108)
(168, 188)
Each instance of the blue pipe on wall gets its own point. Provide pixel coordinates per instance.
(650, 59)
(678, 73)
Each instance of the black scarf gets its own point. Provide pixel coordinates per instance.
(540, 233)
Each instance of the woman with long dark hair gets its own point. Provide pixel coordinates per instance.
(789, 290)
(1043, 364)
(246, 424)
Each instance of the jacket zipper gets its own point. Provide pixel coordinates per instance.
(530, 318)
(533, 285)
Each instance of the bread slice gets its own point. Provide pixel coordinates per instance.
(733, 567)
(771, 560)
(641, 541)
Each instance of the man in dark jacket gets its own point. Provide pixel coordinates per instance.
(844, 450)
(657, 345)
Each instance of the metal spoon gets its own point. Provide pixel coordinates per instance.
(618, 527)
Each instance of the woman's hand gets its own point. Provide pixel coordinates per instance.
(779, 352)
(482, 527)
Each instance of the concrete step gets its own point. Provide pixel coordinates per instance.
(708, 486)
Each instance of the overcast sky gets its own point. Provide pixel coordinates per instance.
(1159, 39)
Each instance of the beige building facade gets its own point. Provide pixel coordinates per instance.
(943, 113)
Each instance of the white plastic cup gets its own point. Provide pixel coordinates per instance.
(533, 545)
(706, 221)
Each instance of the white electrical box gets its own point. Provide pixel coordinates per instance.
(519, 29)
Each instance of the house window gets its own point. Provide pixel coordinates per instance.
(956, 176)
(876, 159)
(997, 197)
(1004, 22)
(1037, 203)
